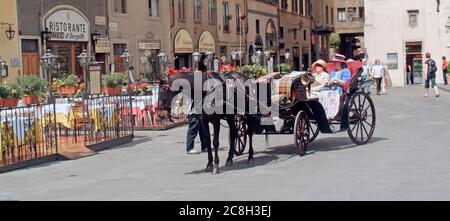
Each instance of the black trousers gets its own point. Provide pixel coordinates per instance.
(445, 78)
(195, 127)
(378, 81)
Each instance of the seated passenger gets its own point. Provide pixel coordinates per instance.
(341, 75)
(330, 99)
(321, 78)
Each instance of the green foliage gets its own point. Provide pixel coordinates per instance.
(254, 70)
(32, 85)
(9, 91)
(67, 81)
(283, 68)
(113, 80)
(335, 40)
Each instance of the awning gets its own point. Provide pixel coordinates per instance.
(183, 42)
(206, 42)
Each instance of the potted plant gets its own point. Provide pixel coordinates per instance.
(67, 85)
(284, 68)
(254, 71)
(9, 96)
(112, 83)
(32, 87)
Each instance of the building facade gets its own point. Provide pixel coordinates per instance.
(350, 27)
(63, 26)
(295, 32)
(231, 28)
(193, 28)
(263, 24)
(142, 27)
(401, 32)
(9, 47)
(323, 26)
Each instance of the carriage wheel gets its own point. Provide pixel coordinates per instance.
(314, 131)
(302, 130)
(241, 139)
(361, 118)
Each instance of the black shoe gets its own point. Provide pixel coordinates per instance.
(204, 150)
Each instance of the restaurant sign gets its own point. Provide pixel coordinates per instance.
(103, 46)
(149, 45)
(67, 25)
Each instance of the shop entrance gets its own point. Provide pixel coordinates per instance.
(66, 53)
(415, 60)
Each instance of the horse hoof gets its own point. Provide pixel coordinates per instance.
(251, 161)
(229, 163)
(216, 170)
(209, 169)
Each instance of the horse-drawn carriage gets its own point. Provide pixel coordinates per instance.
(305, 118)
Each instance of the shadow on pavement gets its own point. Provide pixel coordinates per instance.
(275, 154)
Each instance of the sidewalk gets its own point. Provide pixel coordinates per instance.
(445, 88)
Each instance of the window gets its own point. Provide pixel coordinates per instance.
(153, 8)
(332, 16)
(295, 6)
(257, 26)
(181, 9)
(327, 17)
(295, 34)
(226, 17)
(302, 7)
(352, 16)
(212, 11)
(120, 6)
(413, 17)
(281, 32)
(238, 18)
(304, 35)
(361, 12)
(197, 9)
(284, 4)
(341, 14)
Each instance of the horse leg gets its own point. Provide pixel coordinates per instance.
(233, 137)
(250, 123)
(205, 125)
(216, 126)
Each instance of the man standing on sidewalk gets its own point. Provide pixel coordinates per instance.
(430, 71)
(195, 127)
(444, 69)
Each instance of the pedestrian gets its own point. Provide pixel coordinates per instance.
(409, 78)
(377, 73)
(430, 78)
(366, 76)
(444, 69)
(195, 128)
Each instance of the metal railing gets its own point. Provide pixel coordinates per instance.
(27, 133)
(105, 118)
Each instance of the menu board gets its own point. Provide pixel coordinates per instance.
(95, 79)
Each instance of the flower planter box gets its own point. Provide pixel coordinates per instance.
(8, 102)
(112, 90)
(67, 90)
(30, 100)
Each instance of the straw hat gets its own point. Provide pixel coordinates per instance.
(321, 63)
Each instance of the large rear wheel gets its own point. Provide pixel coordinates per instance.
(361, 118)
(241, 139)
(302, 130)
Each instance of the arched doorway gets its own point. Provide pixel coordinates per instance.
(184, 47)
(271, 38)
(258, 45)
